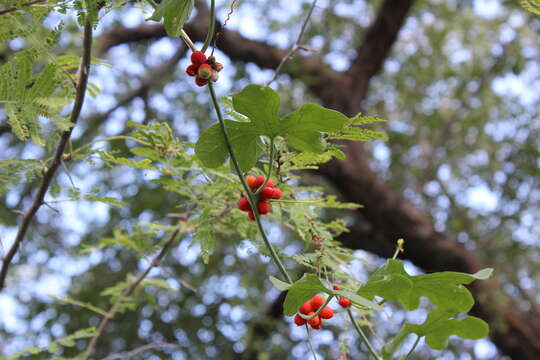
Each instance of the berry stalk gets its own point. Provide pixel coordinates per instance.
(363, 336)
(211, 27)
(270, 167)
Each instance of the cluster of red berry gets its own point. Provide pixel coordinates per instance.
(269, 192)
(203, 69)
(309, 308)
(342, 301)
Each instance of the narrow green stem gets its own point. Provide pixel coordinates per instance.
(305, 317)
(399, 248)
(270, 168)
(363, 336)
(311, 347)
(187, 40)
(211, 27)
(250, 195)
(413, 347)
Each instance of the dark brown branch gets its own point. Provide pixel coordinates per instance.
(237, 47)
(153, 76)
(128, 291)
(375, 47)
(49, 173)
(29, 3)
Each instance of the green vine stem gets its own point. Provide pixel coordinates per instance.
(270, 168)
(413, 347)
(211, 26)
(363, 336)
(311, 347)
(249, 194)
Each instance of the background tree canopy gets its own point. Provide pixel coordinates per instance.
(458, 178)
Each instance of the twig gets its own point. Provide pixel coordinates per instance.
(363, 336)
(413, 347)
(128, 291)
(130, 354)
(297, 45)
(29, 3)
(311, 347)
(51, 170)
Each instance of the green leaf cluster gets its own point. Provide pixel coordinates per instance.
(445, 290)
(304, 129)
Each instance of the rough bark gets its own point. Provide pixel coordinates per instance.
(386, 215)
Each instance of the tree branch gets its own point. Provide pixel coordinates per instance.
(128, 291)
(29, 3)
(82, 81)
(153, 76)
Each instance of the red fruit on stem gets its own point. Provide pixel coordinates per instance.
(317, 327)
(243, 204)
(259, 182)
(192, 70)
(198, 58)
(326, 313)
(298, 320)
(263, 207)
(306, 308)
(201, 82)
(251, 215)
(277, 194)
(317, 301)
(315, 321)
(205, 71)
(251, 180)
(344, 302)
(267, 193)
(270, 184)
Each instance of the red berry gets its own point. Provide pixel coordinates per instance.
(263, 207)
(317, 327)
(201, 82)
(259, 182)
(270, 184)
(344, 302)
(205, 71)
(337, 285)
(317, 301)
(251, 215)
(298, 320)
(198, 58)
(315, 321)
(326, 313)
(306, 308)
(277, 194)
(251, 180)
(192, 70)
(267, 193)
(243, 204)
